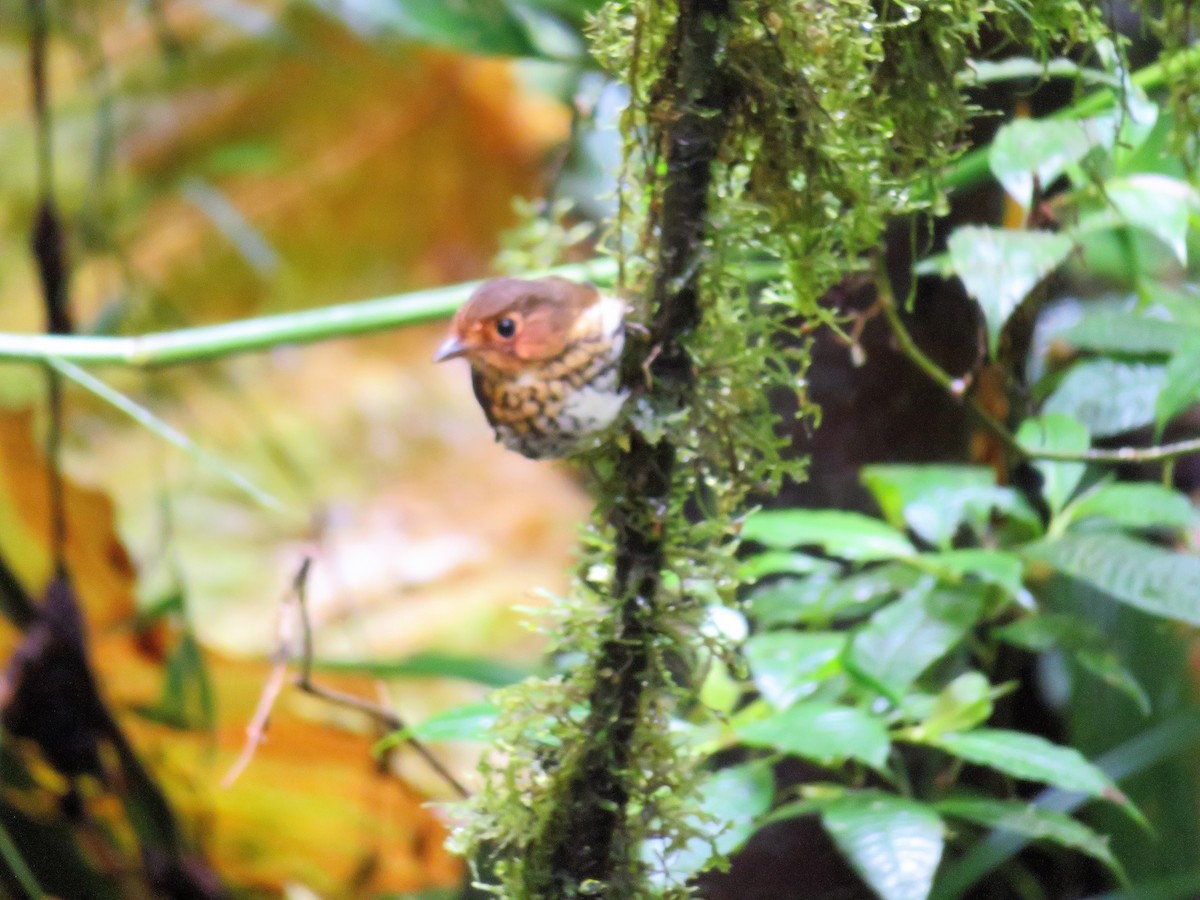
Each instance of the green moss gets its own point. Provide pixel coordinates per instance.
(844, 116)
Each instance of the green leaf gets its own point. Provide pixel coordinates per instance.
(1059, 433)
(1125, 332)
(1085, 642)
(780, 562)
(849, 535)
(894, 843)
(821, 599)
(1034, 822)
(999, 268)
(1133, 505)
(821, 732)
(934, 500)
(1029, 758)
(488, 27)
(730, 800)
(1027, 149)
(904, 638)
(471, 722)
(1156, 204)
(961, 705)
(1107, 396)
(1181, 385)
(788, 665)
(1157, 581)
(990, 566)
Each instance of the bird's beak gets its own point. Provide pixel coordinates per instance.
(452, 347)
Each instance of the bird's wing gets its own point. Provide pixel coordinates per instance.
(485, 402)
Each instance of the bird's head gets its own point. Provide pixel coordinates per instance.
(510, 324)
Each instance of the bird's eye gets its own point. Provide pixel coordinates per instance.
(506, 327)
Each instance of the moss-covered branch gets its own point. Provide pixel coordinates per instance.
(585, 840)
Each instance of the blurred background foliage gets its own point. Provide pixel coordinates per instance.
(219, 159)
(214, 161)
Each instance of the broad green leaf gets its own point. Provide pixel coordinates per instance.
(961, 705)
(904, 638)
(1158, 581)
(999, 268)
(1181, 385)
(1107, 396)
(1156, 204)
(788, 665)
(1027, 149)
(821, 599)
(821, 732)
(849, 535)
(1029, 758)
(990, 566)
(1133, 505)
(894, 843)
(789, 601)
(730, 800)
(1125, 332)
(1032, 821)
(780, 562)
(1059, 433)
(934, 500)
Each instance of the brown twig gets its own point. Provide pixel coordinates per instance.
(295, 609)
(955, 387)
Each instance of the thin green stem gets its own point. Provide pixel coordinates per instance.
(957, 387)
(192, 345)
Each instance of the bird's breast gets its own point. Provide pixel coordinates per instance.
(553, 408)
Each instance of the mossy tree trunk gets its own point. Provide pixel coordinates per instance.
(585, 840)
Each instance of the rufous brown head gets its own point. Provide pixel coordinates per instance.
(509, 323)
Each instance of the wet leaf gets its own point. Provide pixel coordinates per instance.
(1107, 396)
(788, 665)
(904, 638)
(999, 268)
(822, 732)
(1027, 149)
(935, 500)
(1030, 758)
(849, 535)
(1126, 332)
(1133, 505)
(1156, 204)
(1155, 580)
(894, 843)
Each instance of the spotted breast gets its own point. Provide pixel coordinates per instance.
(544, 356)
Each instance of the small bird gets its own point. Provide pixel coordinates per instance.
(545, 357)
